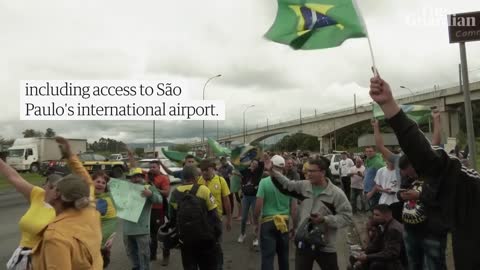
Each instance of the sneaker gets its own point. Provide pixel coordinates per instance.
(241, 238)
(165, 261)
(255, 243)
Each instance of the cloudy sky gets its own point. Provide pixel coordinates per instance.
(136, 40)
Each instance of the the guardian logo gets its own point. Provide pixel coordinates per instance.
(453, 20)
(464, 27)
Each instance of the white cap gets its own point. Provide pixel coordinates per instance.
(278, 161)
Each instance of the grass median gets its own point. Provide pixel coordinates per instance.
(34, 178)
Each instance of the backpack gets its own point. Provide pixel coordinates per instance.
(192, 222)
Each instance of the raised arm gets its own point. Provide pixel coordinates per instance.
(379, 140)
(131, 159)
(75, 164)
(437, 128)
(12, 176)
(412, 141)
(290, 188)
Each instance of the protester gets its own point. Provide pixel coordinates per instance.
(136, 235)
(356, 174)
(73, 239)
(108, 213)
(220, 191)
(159, 210)
(235, 188)
(345, 164)
(425, 234)
(373, 162)
(290, 170)
(386, 250)
(35, 220)
(198, 222)
(455, 188)
(324, 206)
(250, 179)
(226, 171)
(189, 161)
(386, 184)
(276, 210)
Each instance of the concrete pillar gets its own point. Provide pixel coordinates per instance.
(326, 144)
(450, 120)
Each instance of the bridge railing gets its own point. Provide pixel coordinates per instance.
(358, 109)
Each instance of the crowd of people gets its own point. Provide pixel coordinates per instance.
(414, 196)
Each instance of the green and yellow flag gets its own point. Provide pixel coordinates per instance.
(418, 113)
(315, 24)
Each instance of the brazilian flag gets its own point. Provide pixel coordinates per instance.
(315, 24)
(418, 113)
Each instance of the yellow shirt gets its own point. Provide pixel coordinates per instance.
(219, 188)
(202, 193)
(36, 219)
(305, 167)
(72, 241)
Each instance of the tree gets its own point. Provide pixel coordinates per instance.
(30, 133)
(49, 133)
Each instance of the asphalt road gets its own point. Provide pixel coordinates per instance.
(236, 256)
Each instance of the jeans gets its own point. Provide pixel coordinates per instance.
(138, 250)
(425, 252)
(273, 241)
(346, 182)
(247, 202)
(304, 259)
(355, 193)
(219, 255)
(374, 200)
(156, 220)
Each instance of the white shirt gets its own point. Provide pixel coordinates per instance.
(387, 179)
(356, 180)
(345, 166)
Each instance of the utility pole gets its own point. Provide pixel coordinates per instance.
(468, 107)
(355, 103)
(154, 139)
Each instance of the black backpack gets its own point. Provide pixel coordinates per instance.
(192, 221)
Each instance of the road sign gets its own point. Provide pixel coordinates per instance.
(464, 27)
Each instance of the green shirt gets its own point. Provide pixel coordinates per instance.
(274, 202)
(317, 190)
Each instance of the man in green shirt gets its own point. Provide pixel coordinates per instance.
(275, 209)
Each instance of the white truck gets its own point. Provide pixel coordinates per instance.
(26, 154)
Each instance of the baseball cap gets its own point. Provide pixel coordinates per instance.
(135, 171)
(278, 161)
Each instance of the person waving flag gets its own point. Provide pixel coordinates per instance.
(316, 24)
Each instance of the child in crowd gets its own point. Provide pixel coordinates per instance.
(107, 211)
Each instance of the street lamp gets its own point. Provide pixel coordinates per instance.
(404, 87)
(203, 121)
(244, 127)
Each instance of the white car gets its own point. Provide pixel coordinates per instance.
(335, 165)
(145, 165)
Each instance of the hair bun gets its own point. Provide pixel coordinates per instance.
(82, 203)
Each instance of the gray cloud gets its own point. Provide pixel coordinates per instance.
(196, 40)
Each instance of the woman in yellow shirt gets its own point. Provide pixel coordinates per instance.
(37, 217)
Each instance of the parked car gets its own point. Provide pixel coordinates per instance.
(145, 165)
(92, 163)
(335, 165)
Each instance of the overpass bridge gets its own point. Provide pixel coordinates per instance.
(447, 100)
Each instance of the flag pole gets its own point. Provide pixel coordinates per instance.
(360, 16)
